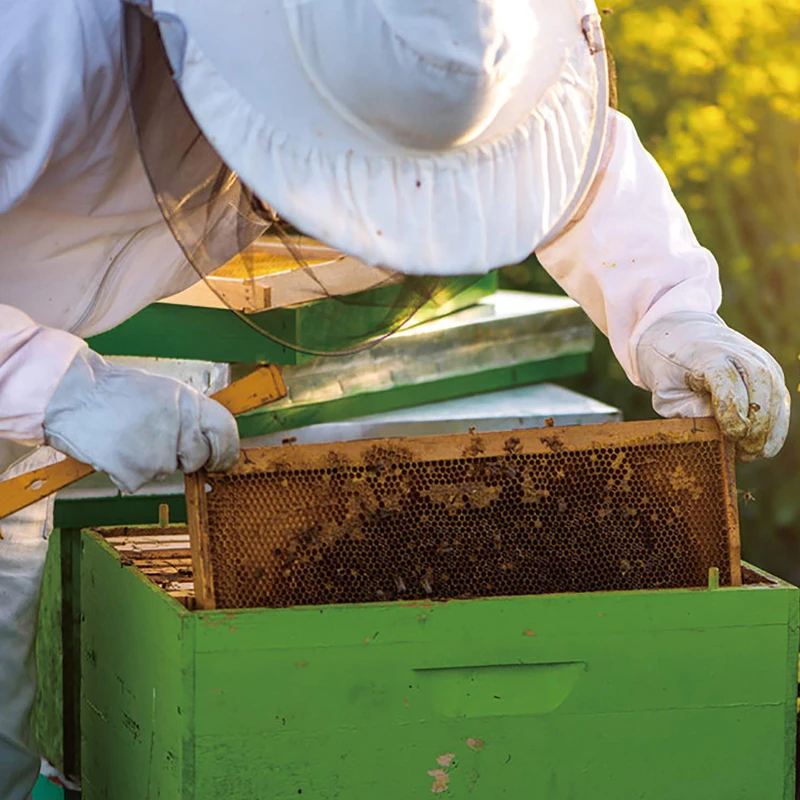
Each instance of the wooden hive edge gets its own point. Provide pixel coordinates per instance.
(479, 445)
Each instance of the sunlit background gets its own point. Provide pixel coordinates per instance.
(714, 89)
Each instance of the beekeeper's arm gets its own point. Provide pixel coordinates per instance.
(632, 261)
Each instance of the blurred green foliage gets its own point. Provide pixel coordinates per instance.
(713, 87)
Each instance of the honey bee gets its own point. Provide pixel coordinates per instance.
(747, 496)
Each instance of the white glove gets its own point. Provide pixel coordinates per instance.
(696, 366)
(135, 426)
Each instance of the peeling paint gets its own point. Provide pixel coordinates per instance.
(123, 687)
(96, 710)
(132, 726)
(475, 744)
(445, 760)
(440, 780)
(529, 632)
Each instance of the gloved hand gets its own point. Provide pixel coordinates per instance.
(696, 366)
(137, 427)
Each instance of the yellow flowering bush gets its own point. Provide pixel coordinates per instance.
(714, 88)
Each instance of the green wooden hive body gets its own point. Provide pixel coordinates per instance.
(674, 695)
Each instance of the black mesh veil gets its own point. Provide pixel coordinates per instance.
(216, 218)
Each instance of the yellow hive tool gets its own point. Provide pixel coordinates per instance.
(261, 387)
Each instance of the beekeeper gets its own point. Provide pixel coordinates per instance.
(431, 137)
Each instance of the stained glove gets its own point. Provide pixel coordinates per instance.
(697, 366)
(137, 427)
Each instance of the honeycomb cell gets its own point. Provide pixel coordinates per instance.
(640, 516)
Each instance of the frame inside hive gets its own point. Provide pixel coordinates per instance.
(645, 505)
(164, 557)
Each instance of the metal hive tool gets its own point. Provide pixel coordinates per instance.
(619, 506)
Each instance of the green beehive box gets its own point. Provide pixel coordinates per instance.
(670, 695)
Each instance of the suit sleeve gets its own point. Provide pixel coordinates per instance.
(631, 256)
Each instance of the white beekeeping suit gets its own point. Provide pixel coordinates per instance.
(430, 137)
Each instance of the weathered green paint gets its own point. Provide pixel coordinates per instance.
(265, 421)
(71, 617)
(136, 693)
(55, 716)
(618, 696)
(172, 331)
(48, 712)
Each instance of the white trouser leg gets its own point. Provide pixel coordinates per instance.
(22, 554)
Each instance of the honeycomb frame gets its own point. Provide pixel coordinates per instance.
(611, 507)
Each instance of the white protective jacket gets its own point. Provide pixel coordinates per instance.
(83, 245)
